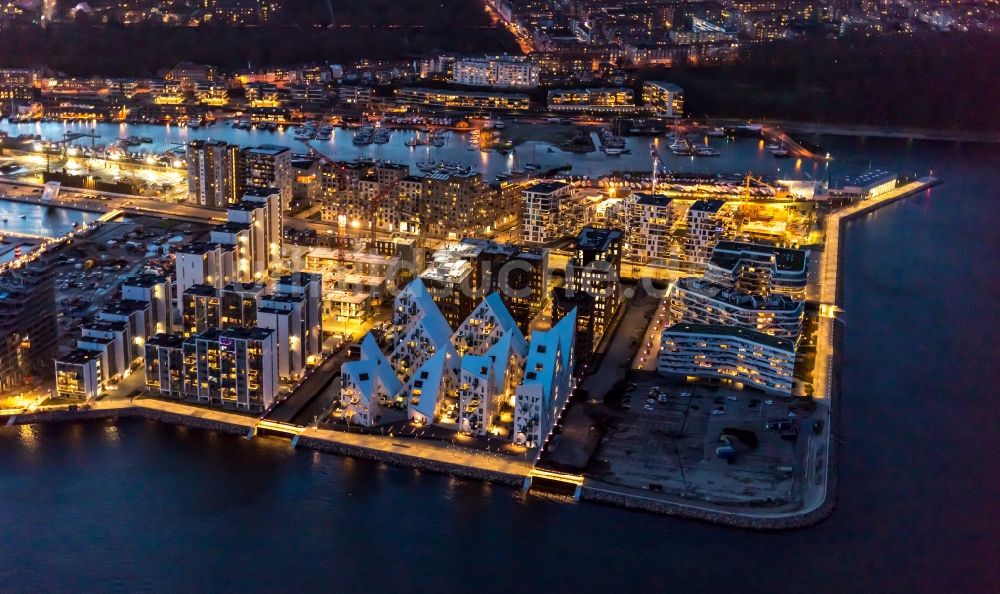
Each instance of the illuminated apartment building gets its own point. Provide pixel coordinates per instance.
(666, 98)
(651, 221)
(234, 368)
(540, 211)
(759, 269)
(79, 374)
(706, 224)
(270, 166)
(201, 309)
(215, 173)
(744, 357)
(593, 99)
(699, 301)
(462, 99)
(594, 270)
(203, 263)
(157, 290)
(367, 385)
(164, 365)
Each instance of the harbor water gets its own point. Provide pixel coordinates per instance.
(736, 155)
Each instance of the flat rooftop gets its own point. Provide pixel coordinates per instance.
(647, 199)
(727, 254)
(546, 187)
(268, 149)
(709, 206)
(595, 238)
(733, 332)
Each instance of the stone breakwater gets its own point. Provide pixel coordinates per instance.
(406, 461)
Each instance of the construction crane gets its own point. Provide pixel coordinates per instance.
(67, 138)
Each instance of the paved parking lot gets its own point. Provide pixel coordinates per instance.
(94, 267)
(670, 445)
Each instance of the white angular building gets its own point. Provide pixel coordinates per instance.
(419, 329)
(480, 380)
(487, 382)
(430, 394)
(547, 383)
(367, 385)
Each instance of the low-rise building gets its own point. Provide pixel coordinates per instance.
(699, 301)
(463, 99)
(164, 365)
(79, 374)
(759, 269)
(664, 97)
(600, 99)
(744, 357)
(870, 184)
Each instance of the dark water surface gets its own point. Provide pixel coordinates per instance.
(148, 507)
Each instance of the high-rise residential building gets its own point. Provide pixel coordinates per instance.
(456, 205)
(113, 340)
(759, 269)
(215, 173)
(157, 290)
(666, 98)
(595, 270)
(309, 286)
(237, 239)
(452, 278)
(284, 314)
(234, 368)
(273, 235)
(201, 309)
(728, 353)
(540, 211)
(565, 301)
(431, 395)
(203, 263)
(699, 301)
(270, 166)
(28, 328)
(240, 302)
(493, 351)
(478, 380)
(164, 365)
(419, 329)
(255, 216)
(706, 224)
(137, 314)
(651, 220)
(519, 274)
